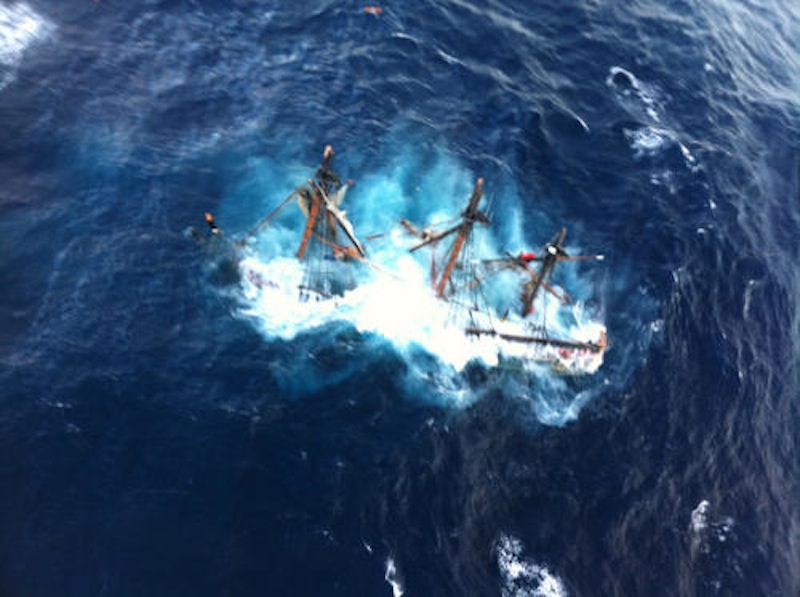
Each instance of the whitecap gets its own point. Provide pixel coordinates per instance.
(622, 79)
(628, 86)
(700, 517)
(687, 155)
(708, 533)
(20, 26)
(522, 577)
(647, 141)
(652, 141)
(393, 578)
(582, 122)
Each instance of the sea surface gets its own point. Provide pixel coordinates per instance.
(160, 434)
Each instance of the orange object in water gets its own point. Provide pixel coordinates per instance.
(373, 10)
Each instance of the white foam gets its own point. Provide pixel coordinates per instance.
(618, 70)
(650, 141)
(707, 531)
(20, 26)
(581, 121)
(522, 577)
(271, 293)
(687, 155)
(641, 91)
(635, 96)
(393, 578)
(400, 307)
(700, 517)
(647, 141)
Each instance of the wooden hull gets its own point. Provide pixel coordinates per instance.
(567, 357)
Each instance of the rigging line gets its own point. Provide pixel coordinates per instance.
(468, 275)
(445, 222)
(359, 258)
(314, 273)
(485, 302)
(436, 238)
(490, 207)
(267, 218)
(432, 226)
(332, 209)
(543, 302)
(327, 255)
(477, 287)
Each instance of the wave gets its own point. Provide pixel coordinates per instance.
(522, 577)
(393, 578)
(717, 552)
(635, 95)
(20, 27)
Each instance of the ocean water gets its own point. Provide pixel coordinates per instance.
(161, 433)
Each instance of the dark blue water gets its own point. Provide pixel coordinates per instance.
(153, 441)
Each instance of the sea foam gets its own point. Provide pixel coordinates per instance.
(522, 577)
(20, 27)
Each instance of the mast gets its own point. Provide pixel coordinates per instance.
(470, 216)
(324, 193)
(339, 217)
(313, 212)
(562, 352)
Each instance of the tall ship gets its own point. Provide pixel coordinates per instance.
(326, 249)
(505, 319)
(463, 279)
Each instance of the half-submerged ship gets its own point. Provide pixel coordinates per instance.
(459, 277)
(328, 242)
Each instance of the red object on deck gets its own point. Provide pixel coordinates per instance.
(527, 257)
